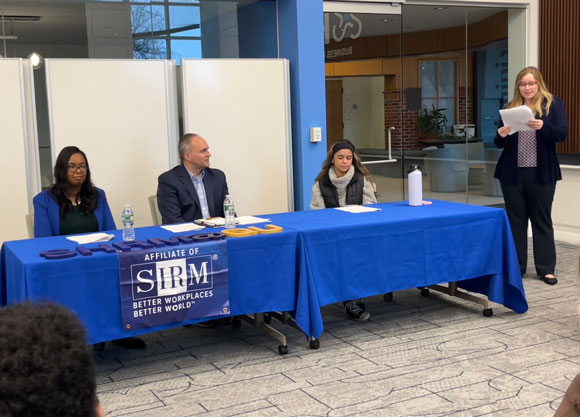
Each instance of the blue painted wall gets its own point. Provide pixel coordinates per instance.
(301, 40)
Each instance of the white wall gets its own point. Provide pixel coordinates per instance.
(565, 208)
(363, 111)
(122, 114)
(242, 108)
(17, 164)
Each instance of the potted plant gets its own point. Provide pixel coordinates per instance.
(432, 123)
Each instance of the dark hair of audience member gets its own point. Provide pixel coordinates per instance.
(87, 195)
(46, 367)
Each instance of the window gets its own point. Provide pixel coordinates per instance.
(438, 88)
(163, 30)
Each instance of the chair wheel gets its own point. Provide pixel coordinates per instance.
(425, 292)
(267, 318)
(487, 312)
(282, 349)
(236, 322)
(314, 344)
(388, 297)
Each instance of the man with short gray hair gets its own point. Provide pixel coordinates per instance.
(192, 190)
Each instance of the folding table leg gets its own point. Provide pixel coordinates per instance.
(453, 291)
(257, 320)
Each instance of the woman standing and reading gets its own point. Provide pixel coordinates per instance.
(528, 170)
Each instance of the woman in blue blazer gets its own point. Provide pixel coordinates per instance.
(528, 170)
(73, 204)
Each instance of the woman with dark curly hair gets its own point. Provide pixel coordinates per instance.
(73, 204)
(46, 367)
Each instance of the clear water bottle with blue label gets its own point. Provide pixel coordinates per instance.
(128, 218)
(229, 213)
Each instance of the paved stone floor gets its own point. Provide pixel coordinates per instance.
(416, 356)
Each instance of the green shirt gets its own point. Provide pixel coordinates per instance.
(76, 221)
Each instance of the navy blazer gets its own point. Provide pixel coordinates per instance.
(47, 214)
(177, 199)
(555, 129)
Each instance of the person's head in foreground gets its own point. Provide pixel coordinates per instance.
(46, 367)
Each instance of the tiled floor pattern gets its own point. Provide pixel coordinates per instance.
(416, 356)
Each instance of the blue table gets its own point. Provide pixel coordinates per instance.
(322, 257)
(345, 256)
(262, 278)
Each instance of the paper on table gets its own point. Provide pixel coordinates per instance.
(183, 227)
(250, 220)
(357, 209)
(212, 221)
(241, 220)
(517, 118)
(92, 238)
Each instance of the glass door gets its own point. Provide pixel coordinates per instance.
(422, 84)
(364, 79)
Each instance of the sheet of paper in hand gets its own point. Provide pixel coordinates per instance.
(517, 118)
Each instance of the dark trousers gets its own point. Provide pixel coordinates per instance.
(528, 199)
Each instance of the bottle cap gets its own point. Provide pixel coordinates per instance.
(413, 167)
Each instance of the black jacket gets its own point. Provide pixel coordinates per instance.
(178, 201)
(354, 191)
(555, 129)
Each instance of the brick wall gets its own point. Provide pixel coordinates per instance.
(406, 133)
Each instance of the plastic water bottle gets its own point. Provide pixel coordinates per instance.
(415, 185)
(229, 213)
(128, 218)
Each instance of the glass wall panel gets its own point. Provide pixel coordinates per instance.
(457, 59)
(59, 29)
(159, 29)
(363, 93)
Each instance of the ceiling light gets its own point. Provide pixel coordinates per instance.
(36, 60)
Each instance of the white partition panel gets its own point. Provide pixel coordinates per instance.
(122, 114)
(242, 108)
(18, 174)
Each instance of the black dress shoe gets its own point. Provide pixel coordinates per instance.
(130, 343)
(550, 280)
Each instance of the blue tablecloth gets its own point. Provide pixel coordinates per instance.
(322, 257)
(262, 277)
(345, 256)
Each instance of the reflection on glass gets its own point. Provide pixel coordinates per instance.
(449, 105)
(149, 48)
(185, 49)
(147, 19)
(428, 80)
(447, 79)
(184, 17)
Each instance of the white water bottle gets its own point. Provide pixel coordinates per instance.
(128, 218)
(415, 180)
(229, 213)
